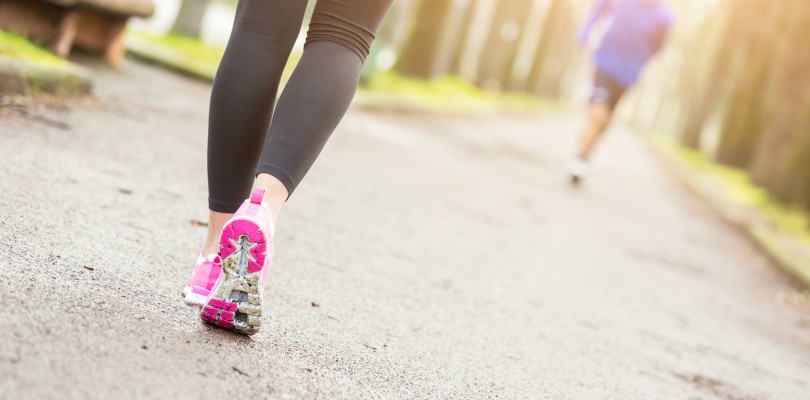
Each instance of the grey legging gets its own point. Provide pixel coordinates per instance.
(242, 141)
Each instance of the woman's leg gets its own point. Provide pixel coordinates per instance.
(242, 102)
(318, 94)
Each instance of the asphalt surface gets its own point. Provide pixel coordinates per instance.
(424, 257)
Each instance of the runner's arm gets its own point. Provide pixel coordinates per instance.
(660, 37)
(599, 10)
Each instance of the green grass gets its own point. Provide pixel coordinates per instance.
(188, 55)
(17, 47)
(443, 94)
(183, 54)
(24, 62)
(188, 47)
(736, 182)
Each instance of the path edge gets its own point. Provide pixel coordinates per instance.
(786, 251)
(23, 77)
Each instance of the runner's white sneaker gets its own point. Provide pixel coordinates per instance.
(578, 170)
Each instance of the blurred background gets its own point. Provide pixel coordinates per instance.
(730, 82)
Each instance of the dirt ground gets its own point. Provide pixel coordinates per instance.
(424, 257)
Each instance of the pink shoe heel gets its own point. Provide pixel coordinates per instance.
(246, 251)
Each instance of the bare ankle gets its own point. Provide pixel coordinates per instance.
(275, 195)
(208, 250)
(216, 220)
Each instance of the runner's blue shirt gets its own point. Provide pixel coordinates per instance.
(637, 31)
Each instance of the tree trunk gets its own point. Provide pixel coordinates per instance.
(702, 92)
(457, 56)
(781, 163)
(421, 53)
(745, 119)
(189, 19)
(554, 52)
(696, 115)
(501, 46)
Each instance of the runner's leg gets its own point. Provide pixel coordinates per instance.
(242, 101)
(598, 118)
(606, 95)
(319, 92)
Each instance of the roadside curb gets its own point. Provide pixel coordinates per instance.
(787, 251)
(22, 77)
(167, 57)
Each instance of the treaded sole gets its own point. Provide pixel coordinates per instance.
(235, 303)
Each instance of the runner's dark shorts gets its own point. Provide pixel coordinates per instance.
(606, 90)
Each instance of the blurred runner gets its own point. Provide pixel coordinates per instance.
(637, 31)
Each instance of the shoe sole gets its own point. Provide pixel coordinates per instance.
(235, 303)
(193, 299)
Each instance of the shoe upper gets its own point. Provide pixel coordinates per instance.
(578, 168)
(205, 274)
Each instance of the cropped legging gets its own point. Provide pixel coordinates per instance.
(242, 140)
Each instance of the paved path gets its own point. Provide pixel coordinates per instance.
(423, 257)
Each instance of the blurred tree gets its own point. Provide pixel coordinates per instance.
(746, 63)
(501, 46)
(701, 103)
(781, 162)
(465, 24)
(744, 119)
(556, 51)
(704, 84)
(189, 18)
(420, 55)
(759, 73)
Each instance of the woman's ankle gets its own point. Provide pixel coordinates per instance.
(275, 194)
(208, 250)
(216, 220)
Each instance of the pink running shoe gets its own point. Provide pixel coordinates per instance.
(246, 248)
(202, 280)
